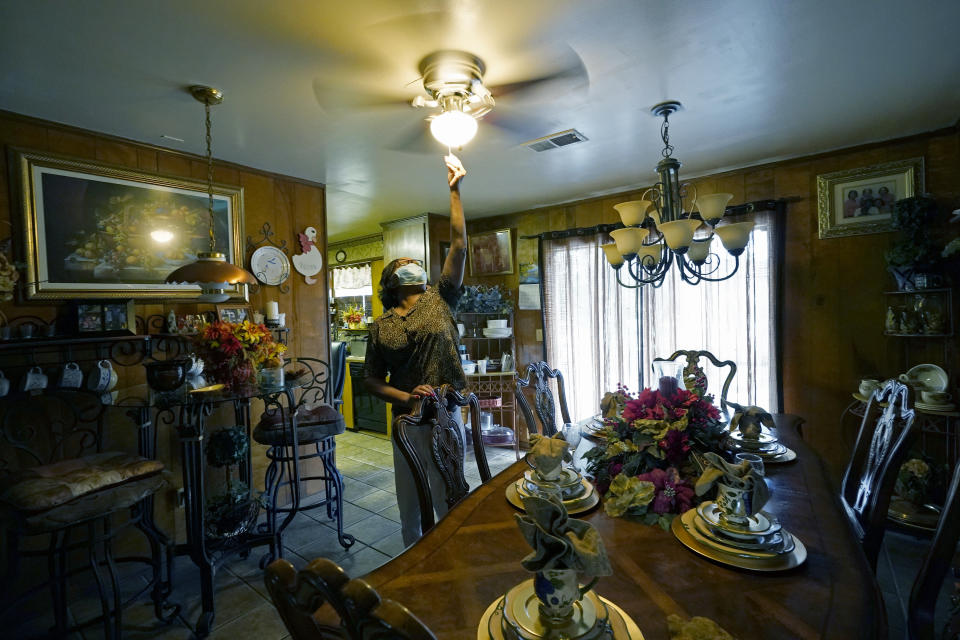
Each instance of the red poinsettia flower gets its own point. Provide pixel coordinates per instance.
(676, 446)
(671, 493)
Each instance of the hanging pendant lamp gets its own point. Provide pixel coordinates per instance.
(210, 271)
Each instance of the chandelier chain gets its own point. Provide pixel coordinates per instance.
(213, 243)
(665, 136)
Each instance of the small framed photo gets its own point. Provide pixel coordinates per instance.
(111, 318)
(860, 201)
(491, 253)
(234, 313)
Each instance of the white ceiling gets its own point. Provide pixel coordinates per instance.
(760, 80)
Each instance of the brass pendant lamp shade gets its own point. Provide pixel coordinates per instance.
(211, 270)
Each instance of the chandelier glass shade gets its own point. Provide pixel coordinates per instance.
(210, 270)
(660, 231)
(453, 127)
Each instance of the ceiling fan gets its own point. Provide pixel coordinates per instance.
(454, 89)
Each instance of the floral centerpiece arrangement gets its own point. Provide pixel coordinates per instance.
(646, 468)
(235, 352)
(353, 317)
(920, 481)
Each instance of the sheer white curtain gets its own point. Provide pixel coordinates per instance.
(733, 320)
(591, 323)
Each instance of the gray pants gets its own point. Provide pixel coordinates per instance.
(407, 490)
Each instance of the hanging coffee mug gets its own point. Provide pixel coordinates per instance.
(34, 380)
(71, 377)
(99, 377)
(4, 385)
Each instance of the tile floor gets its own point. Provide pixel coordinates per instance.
(372, 516)
(244, 609)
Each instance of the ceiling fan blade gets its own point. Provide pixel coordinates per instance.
(418, 139)
(567, 76)
(518, 127)
(335, 98)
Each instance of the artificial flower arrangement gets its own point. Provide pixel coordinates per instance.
(920, 480)
(646, 469)
(234, 352)
(352, 316)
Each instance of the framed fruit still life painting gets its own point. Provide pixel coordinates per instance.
(95, 231)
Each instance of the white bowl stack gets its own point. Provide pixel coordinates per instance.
(497, 329)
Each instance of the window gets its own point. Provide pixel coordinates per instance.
(599, 334)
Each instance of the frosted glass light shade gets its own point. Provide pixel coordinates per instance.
(612, 254)
(712, 206)
(651, 254)
(633, 212)
(453, 128)
(699, 250)
(629, 240)
(679, 233)
(735, 236)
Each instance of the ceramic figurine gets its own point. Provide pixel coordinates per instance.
(171, 322)
(932, 322)
(909, 322)
(893, 323)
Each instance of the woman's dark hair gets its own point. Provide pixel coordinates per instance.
(389, 292)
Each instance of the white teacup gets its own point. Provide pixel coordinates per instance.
(935, 397)
(868, 386)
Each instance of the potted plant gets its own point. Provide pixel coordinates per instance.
(353, 317)
(913, 251)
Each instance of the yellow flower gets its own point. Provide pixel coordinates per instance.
(625, 493)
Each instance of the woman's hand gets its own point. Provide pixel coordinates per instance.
(422, 391)
(455, 170)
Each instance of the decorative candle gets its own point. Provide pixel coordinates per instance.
(273, 310)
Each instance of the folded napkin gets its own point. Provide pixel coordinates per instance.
(696, 628)
(612, 404)
(738, 476)
(748, 420)
(559, 541)
(546, 455)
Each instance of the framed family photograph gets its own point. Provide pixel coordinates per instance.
(859, 201)
(491, 253)
(234, 312)
(95, 231)
(104, 318)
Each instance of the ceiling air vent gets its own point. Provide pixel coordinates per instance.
(556, 140)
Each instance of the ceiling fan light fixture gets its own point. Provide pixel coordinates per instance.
(453, 128)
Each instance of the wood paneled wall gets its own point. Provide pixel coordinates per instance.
(288, 204)
(833, 298)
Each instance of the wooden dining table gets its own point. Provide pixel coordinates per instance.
(472, 557)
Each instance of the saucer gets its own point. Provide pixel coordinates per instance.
(759, 524)
(575, 506)
(926, 406)
(762, 440)
(684, 530)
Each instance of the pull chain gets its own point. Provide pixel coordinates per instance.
(206, 106)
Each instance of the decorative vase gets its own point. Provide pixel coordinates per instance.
(272, 377)
(557, 590)
(232, 375)
(735, 503)
(355, 325)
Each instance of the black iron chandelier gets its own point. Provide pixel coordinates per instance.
(658, 232)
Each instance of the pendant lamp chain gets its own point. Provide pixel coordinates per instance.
(206, 106)
(665, 136)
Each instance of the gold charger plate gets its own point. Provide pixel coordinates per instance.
(681, 529)
(909, 515)
(491, 623)
(574, 507)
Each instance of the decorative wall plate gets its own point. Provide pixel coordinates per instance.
(270, 265)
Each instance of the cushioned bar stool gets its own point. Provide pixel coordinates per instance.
(317, 424)
(56, 481)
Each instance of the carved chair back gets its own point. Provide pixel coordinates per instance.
(877, 455)
(446, 447)
(941, 556)
(41, 428)
(301, 597)
(319, 387)
(539, 375)
(695, 378)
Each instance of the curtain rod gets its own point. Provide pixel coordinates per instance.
(779, 206)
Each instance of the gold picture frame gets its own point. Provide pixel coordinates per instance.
(234, 312)
(491, 253)
(860, 201)
(91, 230)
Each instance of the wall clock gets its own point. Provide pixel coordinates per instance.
(270, 265)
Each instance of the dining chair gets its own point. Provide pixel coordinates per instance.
(880, 449)
(318, 423)
(446, 448)
(539, 375)
(61, 491)
(937, 563)
(694, 376)
(321, 602)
